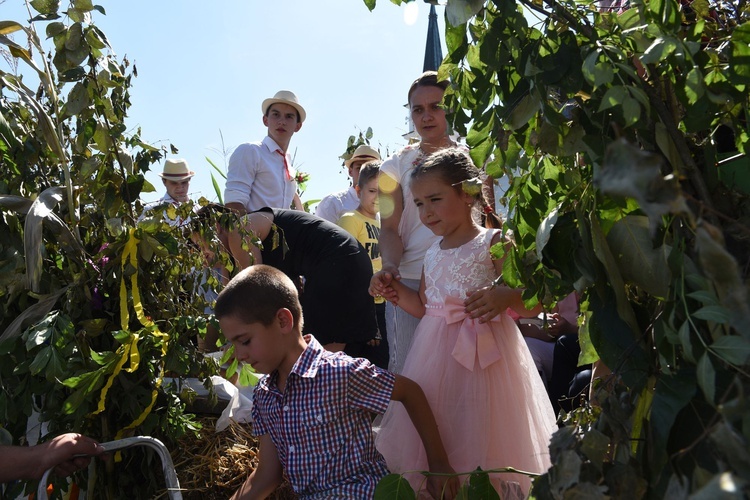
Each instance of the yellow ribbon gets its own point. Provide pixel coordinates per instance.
(642, 413)
(139, 420)
(130, 350)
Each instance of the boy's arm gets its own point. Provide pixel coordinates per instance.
(237, 207)
(241, 257)
(412, 397)
(297, 202)
(240, 178)
(266, 477)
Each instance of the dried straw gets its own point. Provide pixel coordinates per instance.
(215, 464)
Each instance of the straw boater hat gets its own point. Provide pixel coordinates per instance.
(286, 97)
(176, 170)
(363, 153)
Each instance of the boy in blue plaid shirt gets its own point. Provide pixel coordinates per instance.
(312, 411)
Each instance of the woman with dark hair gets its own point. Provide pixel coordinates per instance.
(403, 238)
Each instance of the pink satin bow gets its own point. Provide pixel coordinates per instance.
(475, 339)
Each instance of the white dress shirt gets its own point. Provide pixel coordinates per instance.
(334, 205)
(256, 177)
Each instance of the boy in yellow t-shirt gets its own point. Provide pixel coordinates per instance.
(364, 224)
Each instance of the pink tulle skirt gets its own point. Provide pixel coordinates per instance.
(492, 417)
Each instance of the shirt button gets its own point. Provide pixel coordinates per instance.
(319, 418)
(286, 408)
(291, 448)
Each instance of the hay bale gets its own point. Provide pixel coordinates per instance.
(213, 465)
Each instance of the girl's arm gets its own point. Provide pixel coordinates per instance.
(486, 303)
(411, 301)
(410, 394)
(266, 477)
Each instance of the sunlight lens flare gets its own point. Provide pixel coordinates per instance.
(411, 12)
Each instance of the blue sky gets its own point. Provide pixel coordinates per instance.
(204, 68)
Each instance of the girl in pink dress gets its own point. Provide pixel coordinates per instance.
(468, 354)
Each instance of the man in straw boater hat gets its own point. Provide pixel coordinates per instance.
(334, 205)
(260, 173)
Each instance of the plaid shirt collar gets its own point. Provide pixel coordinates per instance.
(306, 365)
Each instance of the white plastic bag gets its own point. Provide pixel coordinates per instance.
(240, 403)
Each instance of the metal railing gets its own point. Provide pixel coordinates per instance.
(170, 476)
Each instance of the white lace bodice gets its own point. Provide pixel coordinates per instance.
(458, 271)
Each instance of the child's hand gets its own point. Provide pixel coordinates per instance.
(443, 487)
(380, 286)
(488, 302)
(558, 325)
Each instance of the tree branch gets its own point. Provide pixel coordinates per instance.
(561, 14)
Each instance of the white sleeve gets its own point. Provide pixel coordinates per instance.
(392, 167)
(326, 209)
(241, 175)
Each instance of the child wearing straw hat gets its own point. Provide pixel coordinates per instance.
(176, 177)
(260, 173)
(334, 205)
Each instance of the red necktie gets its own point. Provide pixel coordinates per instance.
(286, 165)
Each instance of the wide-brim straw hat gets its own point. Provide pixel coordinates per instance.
(285, 97)
(363, 153)
(176, 170)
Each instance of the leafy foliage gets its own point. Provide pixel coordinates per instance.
(356, 141)
(98, 307)
(624, 134)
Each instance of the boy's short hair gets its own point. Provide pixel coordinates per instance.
(368, 172)
(256, 294)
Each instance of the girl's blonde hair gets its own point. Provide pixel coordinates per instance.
(455, 168)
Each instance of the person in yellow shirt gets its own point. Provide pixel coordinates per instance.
(364, 224)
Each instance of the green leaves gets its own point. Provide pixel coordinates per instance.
(629, 171)
(522, 111)
(732, 349)
(459, 11)
(659, 50)
(638, 260)
(694, 87)
(46, 7)
(596, 70)
(721, 268)
(629, 99)
(71, 177)
(394, 487)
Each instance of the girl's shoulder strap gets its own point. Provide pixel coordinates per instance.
(491, 234)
